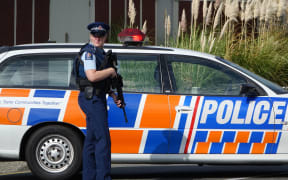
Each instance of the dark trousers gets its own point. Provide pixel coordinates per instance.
(97, 145)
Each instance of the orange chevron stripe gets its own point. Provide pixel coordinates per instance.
(15, 93)
(202, 148)
(173, 101)
(11, 116)
(215, 136)
(242, 137)
(258, 148)
(270, 137)
(161, 119)
(74, 114)
(125, 141)
(230, 148)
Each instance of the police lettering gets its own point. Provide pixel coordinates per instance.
(238, 112)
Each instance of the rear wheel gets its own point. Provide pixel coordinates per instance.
(54, 152)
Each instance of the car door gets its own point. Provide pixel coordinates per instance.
(212, 113)
(34, 89)
(147, 107)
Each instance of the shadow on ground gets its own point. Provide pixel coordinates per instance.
(161, 172)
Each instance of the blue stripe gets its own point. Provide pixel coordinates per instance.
(157, 142)
(216, 148)
(49, 93)
(175, 141)
(256, 137)
(269, 146)
(244, 148)
(38, 115)
(228, 136)
(115, 114)
(201, 136)
(183, 116)
(274, 146)
(187, 100)
(183, 119)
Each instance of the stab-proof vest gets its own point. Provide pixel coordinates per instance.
(81, 78)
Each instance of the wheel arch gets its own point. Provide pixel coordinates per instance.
(41, 125)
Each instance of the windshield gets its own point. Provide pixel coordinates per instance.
(276, 88)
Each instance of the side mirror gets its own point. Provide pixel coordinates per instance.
(249, 90)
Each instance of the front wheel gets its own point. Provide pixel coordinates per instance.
(54, 152)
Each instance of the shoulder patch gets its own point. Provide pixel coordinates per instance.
(88, 56)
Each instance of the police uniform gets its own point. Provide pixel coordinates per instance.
(97, 145)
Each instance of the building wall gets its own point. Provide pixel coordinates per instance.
(68, 20)
(171, 8)
(7, 20)
(40, 21)
(24, 21)
(41, 31)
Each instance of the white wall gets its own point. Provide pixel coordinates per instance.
(69, 19)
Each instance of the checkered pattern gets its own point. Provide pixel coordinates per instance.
(235, 142)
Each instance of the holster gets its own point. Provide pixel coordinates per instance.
(89, 91)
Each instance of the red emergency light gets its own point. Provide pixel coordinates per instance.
(131, 36)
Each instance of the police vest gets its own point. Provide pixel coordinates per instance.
(81, 78)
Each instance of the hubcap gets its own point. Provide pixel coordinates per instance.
(54, 153)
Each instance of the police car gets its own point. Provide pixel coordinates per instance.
(182, 107)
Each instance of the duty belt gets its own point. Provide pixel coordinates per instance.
(83, 83)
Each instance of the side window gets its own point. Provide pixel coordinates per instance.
(40, 71)
(141, 73)
(192, 75)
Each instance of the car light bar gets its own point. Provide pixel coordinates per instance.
(131, 36)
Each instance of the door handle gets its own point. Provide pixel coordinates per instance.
(183, 108)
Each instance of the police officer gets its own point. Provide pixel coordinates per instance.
(92, 100)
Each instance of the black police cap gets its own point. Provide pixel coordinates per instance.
(98, 29)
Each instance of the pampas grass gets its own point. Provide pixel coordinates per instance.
(167, 30)
(256, 10)
(203, 40)
(271, 11)
(225, 27)
(218, 16)
(168, 26)
(178, 34)
(212, 45)
(195, 9)
(209, 14)
(183, 21)
(242, 12)
(144, 27)
(263, 10)
(257, 37)
(281, 8)
(231, 9)
(217, 4)
(258, 42)
(131, 13)
(205, 9)
(195, 4)
(248, 14)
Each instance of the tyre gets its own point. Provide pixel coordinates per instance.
(54, 152)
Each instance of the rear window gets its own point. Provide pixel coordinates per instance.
(37, 71)
(274, 87)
